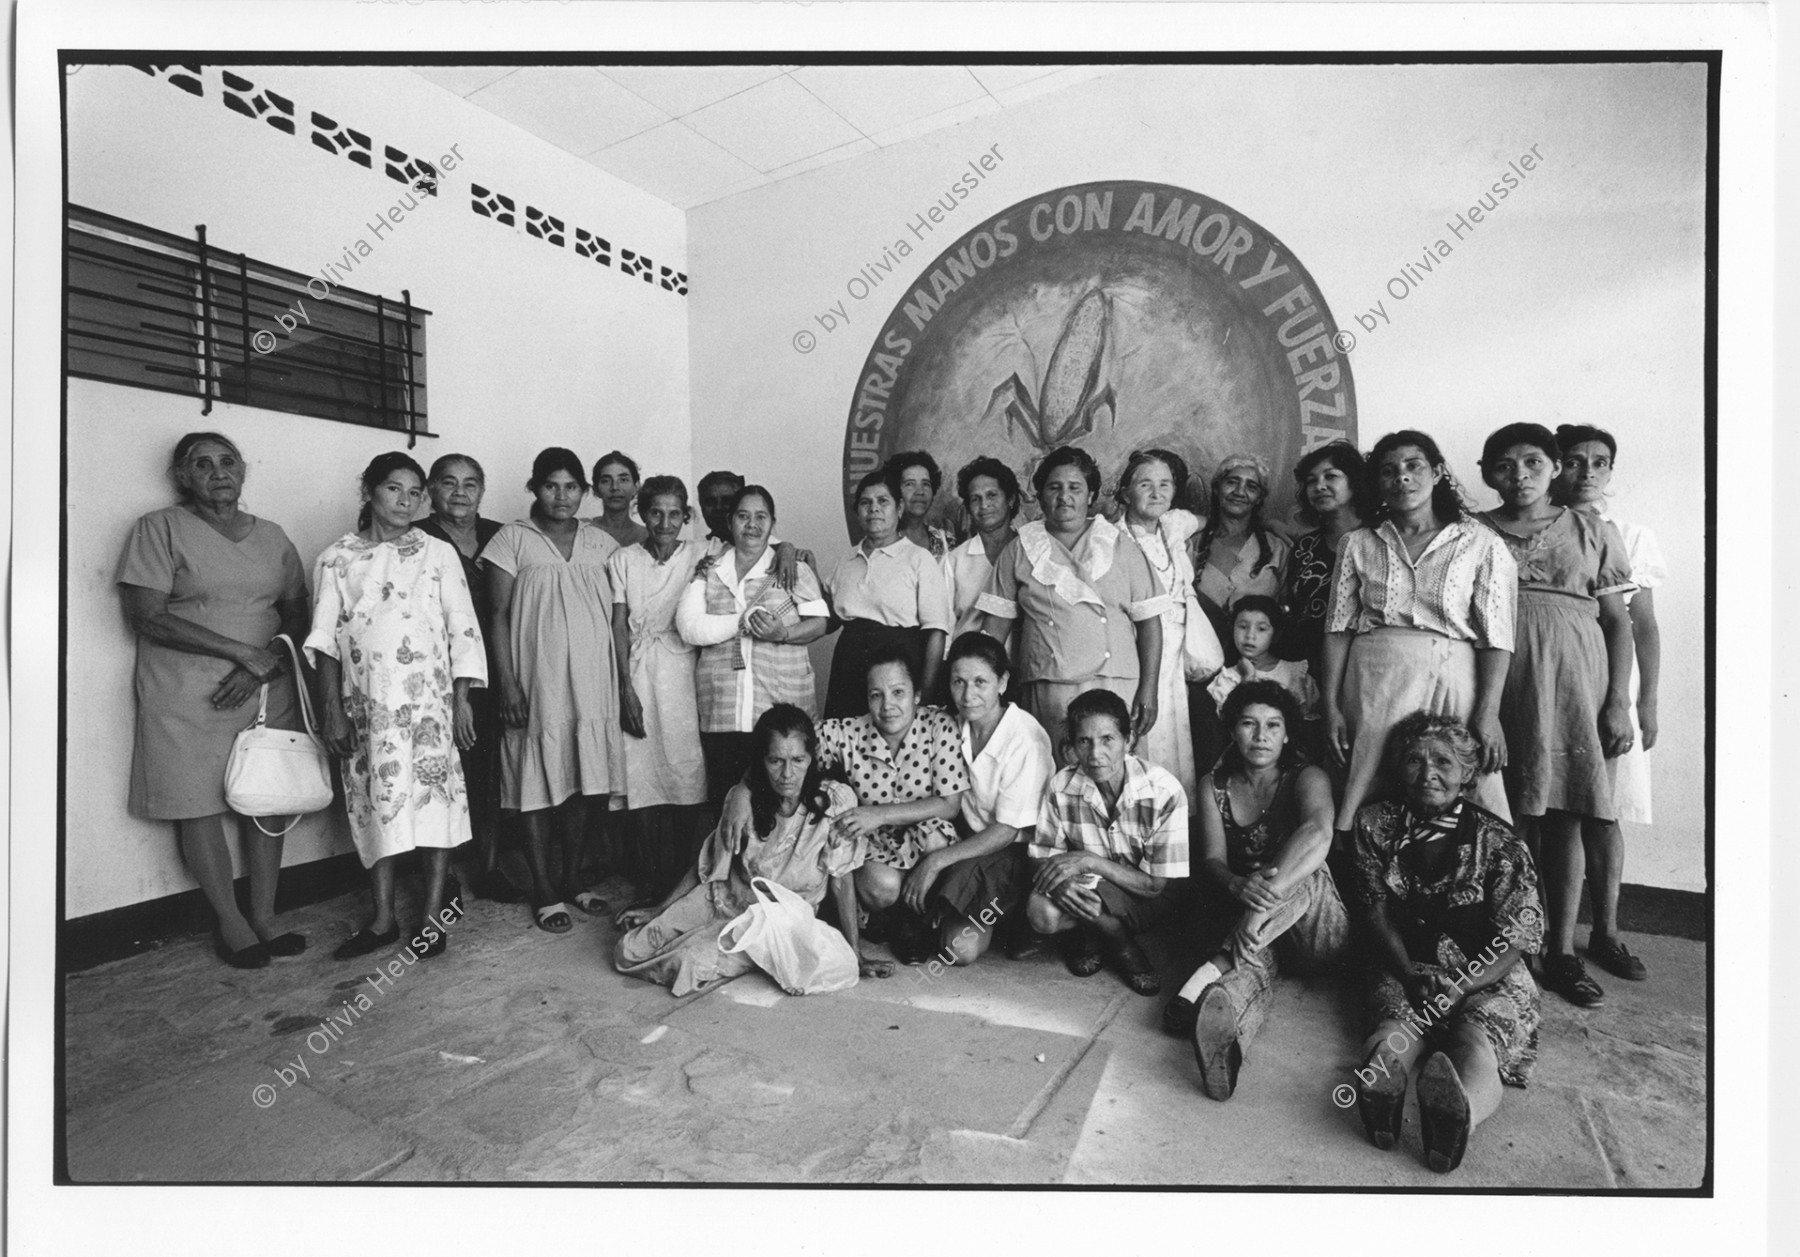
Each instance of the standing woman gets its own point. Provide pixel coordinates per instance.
(665, 770)
(990, 496)
(206, 588)
(1588, 456)
(752, 636)
(1421, 619)
(1332, 483)
(889, 595)
(559, 692)
(1149, 490)
(616, 485)
(456, 484)
(1566, 707)
(397, 647)
(918, 478)
(1090, 610)
(1234, 552)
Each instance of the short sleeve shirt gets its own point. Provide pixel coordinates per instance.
(1147, 828)
(1009, 776)
(900, 585)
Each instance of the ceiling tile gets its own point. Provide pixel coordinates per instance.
(844, 152)
(879, 97)
(673, 163)
(574, 107)
(463, 79)
(983, 104)
(773, 124)
(678, 90)
(998, 78)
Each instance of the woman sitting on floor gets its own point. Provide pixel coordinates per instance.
(794, 841)
(1264, 880)
(1449, 901)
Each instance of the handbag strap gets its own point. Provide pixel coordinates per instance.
(306, 715)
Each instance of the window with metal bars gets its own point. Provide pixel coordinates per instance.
(156, 310)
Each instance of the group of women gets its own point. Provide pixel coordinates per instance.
(1361, 708)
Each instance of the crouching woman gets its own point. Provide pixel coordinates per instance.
(793, 842)
(1449, 899)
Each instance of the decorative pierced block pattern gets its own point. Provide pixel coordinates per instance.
(181, 74)
(415, 172)
(636, 264)
(673, 281)
(491, 204)
(588, 245)
(543, 226)
(335, 139)
(241, 96)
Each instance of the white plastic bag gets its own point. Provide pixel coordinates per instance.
(785, 939)
(1201, 654)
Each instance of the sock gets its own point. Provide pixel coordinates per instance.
(1204, 976)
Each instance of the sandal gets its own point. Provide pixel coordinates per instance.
(550, 914)
(1082, 954)
(365, 941)
(591, 903)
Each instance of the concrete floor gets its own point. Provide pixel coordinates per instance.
(519, 1056)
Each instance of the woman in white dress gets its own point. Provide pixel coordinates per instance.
(397, 647)
(1148, 491)
(665, 770)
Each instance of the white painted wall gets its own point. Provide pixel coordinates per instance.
(529, 346)
(1580, 299)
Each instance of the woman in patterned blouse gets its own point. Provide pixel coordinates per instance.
(1331, 480)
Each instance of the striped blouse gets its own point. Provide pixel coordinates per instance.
(739, 677)
(1465, 586)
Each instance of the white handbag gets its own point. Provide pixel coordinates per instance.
(277, 772)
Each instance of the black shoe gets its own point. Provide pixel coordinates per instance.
(289, 944)
(1082, 953)
(1178, 1017)
(1382, 1105)
(1610, 955)
(255, 956)
(1443, 1114)
(911, 938)
(1568, 977)
(496, 886)
(1216, 1048)
(1024, 943)
(365, 941)
(435, 946)
(876, 928)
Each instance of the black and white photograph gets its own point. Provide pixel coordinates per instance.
(1127, 606)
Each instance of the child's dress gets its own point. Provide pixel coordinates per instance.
(398, 618)
(1550, 708)
(1291, 675)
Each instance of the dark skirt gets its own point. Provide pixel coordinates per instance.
(994, 883)
(727, 756)
(848, 692)
(481, 762)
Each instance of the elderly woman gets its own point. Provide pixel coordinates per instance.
(1421, 617)
(1264, 879)
(1448, 897)
(919, 479)
(665, 769)
(616, 485)
(1588, 457)
(1150, 491)
(752, 636)
(1090, 608)
(559, 691)
(206, 587)
(889, 595)
(456, 484)
(793, 840)
(1331, 480)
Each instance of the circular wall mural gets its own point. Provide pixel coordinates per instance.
(1113, 316)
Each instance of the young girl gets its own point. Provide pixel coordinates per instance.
(397, 647)
(665, 771)
(1256, 625)
(1565, 708)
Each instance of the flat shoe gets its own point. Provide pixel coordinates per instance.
(1135, 967)
(1568, 977)
(1178, 1017)
(1082, 955)
(289, 944)
(365, 941)
(255, 956)
(1610, 954)
(1026, 943)
(1382, 1105)
(591, 903)
(433, 947)
(1216, 1048)
(1443, 1114)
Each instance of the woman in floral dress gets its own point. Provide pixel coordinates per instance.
(397, 646)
